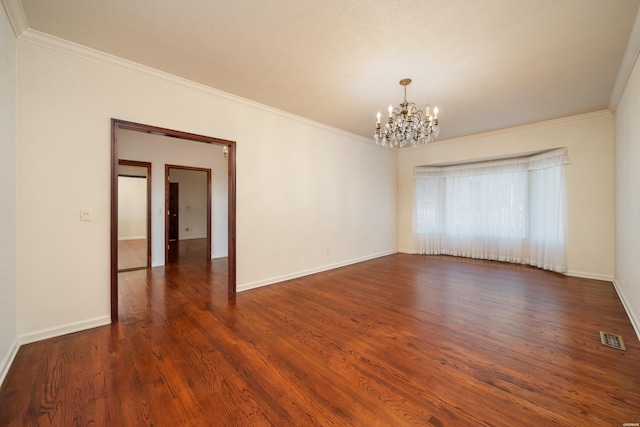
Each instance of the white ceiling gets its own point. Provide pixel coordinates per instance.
(487, 64)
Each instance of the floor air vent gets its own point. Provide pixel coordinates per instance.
(612, 340)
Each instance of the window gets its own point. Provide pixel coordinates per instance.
(508, 210)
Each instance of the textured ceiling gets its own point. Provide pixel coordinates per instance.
(487, 64)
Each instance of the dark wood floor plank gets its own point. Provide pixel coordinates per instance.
(400, 340)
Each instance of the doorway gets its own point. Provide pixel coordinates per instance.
(134, 215)
(188, 207)
(230, 154)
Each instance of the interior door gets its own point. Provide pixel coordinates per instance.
(174, 220)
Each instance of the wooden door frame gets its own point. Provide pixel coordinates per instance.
(116, 125)
(166, 207)
(146, 165)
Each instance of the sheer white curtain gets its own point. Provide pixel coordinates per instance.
(548, 211)
(509, 210)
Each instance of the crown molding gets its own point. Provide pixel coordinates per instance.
(53, 42)
(628, 62)
(520, 128)
(16, 16)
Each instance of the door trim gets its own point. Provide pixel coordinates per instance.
(166, 207)
(117, 124)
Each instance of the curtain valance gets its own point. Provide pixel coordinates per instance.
(544, 160)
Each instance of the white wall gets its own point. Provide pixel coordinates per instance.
(8, 331)
(132, 208)
(192, 202)
(161, 150)
(590, 181)
(308, 197)
(627, 126)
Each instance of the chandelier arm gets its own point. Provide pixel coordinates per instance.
(407, 125)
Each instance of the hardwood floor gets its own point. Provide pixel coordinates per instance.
(188, 250)
(132, 254)
(397, 341)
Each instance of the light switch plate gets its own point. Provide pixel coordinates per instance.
(85, 215)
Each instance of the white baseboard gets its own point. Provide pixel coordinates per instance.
(63, 330)
(408, 251)
(585, 275)
(271, 281)
(45, 334)
(133, 238)
(627, 307)
(581, 274)
(8, 360)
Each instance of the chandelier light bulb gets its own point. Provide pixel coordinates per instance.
(378, 118)
(390, 111)
(435, 112)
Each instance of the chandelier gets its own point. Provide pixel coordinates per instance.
(407, 125)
